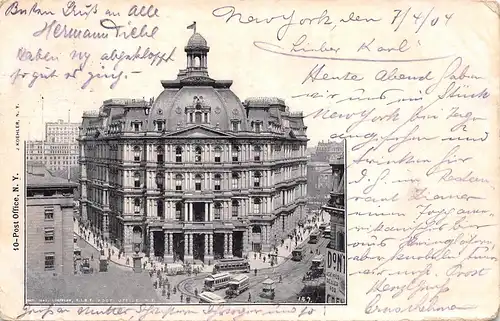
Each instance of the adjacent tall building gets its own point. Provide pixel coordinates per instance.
(49, 221)
(319, 172)
(336, 249)
(59, 149)
(194, 174)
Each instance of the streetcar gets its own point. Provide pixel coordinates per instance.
(317, 262)
(314, 236)
(297, 254)
(217, 281)
(232, 265)
(211, 298)
(327, 232)
(237, 285)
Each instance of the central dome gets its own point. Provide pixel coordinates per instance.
(197, 41)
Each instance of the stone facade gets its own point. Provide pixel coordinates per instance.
(49, 222)
(194, 174)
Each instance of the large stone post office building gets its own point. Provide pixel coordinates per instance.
(194, 174)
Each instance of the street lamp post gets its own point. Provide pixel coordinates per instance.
(136, 257)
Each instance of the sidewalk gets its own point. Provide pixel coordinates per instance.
(283, 253)
(122, 261)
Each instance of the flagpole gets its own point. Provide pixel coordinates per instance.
(69, 144)
(43, 137)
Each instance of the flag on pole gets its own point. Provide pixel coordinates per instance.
(192, 26)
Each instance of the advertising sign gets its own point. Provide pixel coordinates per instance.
(335, 277)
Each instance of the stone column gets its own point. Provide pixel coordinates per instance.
(186, 212)
(225, 244)
(186, 245)
(206, 212)
(211, 244)
(211, 214)
(190, 211)
(206, 244)
(171, 243)
(151, 244)
(230, 245)
(190, 244)
(168, 255)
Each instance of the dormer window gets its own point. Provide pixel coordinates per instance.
(160, 125)
(136, 126)
(235, 125)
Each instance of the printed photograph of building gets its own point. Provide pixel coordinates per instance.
(195, 196)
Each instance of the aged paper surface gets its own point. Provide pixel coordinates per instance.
(412, 87)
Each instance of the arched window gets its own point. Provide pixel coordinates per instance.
(218, 152)
(196, 62)
(159, 180)
(137, 154)
(178, 182)
(256, 179)
(178, 211)
(235, 207)
(217, 211)
(217, 179)
(137, 180)
(197, 182)
(137, 205)
(256, 206)
(235, 178)
(178, 154)
(256, 153)
(256, 229)
(159, 206)
(235, 150)
(159, 154)
(197, 154)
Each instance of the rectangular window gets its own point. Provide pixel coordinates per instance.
(49, 235)
(137, 127)
(217, 187)
(49, 213)
(235, 183)
(257, 127)
(217, 213)
(178, 214)
(197, 186)
(256, 157)
(235, 211)
(50, 259)
(256, 208)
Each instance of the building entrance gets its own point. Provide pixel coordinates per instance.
(199, 212)
(178, 248)
(238, 244)
(199, 247)
(159, 243)
(218, 246)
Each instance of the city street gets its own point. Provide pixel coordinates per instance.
(117, 285)
(290, 271)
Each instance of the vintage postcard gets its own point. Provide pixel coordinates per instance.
(249, 160)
